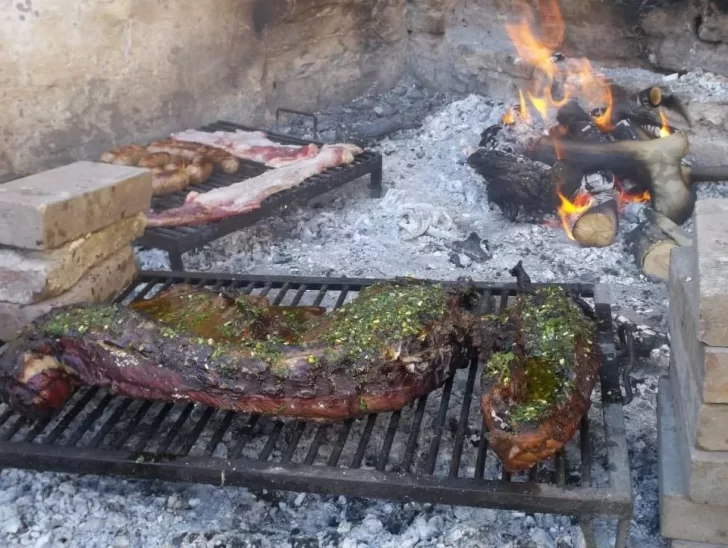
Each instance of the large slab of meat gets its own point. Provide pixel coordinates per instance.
(250, 145)
(393, 343)
(247, 195)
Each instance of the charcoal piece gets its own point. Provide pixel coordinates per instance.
(473, 247)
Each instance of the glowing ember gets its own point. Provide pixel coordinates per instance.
(665, 129)
(582, 202)
(626, 197)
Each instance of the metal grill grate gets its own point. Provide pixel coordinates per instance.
(430, 451)
(178, 240)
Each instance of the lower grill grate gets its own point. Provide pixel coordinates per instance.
(178, 240)
(431, 451)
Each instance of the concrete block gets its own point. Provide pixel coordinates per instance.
(51, 208)
(690, 544)
(681, 517)
(28, 277)
(101, 283)
(705, 472)
(711, 237)
(709, 365)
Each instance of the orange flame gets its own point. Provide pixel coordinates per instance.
(665, 129)
(511, 116)
(576, 78)
(626, 197)
(582, 202)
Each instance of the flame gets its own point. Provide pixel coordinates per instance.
(665, 130)
(510, 117)
(625, 197)
(575, 78)
(582, 202)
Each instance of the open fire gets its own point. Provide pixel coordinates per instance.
(556, 81)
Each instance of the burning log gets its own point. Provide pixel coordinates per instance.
(580, 126)
(521, 187)
(652, 242)
(638, 107)
(591, 220)
(654, 165)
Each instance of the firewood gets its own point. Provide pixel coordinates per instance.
(654, 164)
(705, 174)
(517, 185)
(599, 225)
(652, 242)
(580, 126)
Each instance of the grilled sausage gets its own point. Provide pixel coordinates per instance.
(128, 155)
(227, 162)
(200, 169)
(169, 178)
(152, 160)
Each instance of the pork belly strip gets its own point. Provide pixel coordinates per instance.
(250, 145)
(137, 356)
(217, 204)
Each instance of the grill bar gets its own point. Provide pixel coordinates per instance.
(353, 457)
(178, 240)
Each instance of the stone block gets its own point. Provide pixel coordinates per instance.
(711, 240)
(51, 208)
(691, 544)
(705, 472)
(101, 283)
(681, 517)
(27, 277)
(708, 364)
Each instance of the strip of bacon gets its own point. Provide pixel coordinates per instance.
(250, 145)
(217, 204)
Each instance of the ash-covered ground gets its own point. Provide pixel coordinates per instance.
(432, 203)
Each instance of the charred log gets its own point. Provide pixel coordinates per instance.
(517, 185)
(579, 124)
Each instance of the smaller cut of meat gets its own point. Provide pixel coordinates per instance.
(217, 204)
(250, 145)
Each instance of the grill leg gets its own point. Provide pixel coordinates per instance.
(175, 261)
(622, 533)
(375, 183)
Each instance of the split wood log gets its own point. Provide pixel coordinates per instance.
(522, 188)
(652, 242)
(654, 164)
(598, 226)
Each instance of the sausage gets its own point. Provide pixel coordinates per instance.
(165, 181)
(200, 169)
(158, 159)
(128, 155)
(226, 161)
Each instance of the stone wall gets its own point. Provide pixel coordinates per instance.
(462, 44)
(79, 77)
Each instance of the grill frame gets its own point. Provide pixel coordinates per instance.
(61, 451)
(178, 240)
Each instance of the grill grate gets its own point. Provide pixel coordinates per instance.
(178, 240)
(430, 451)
